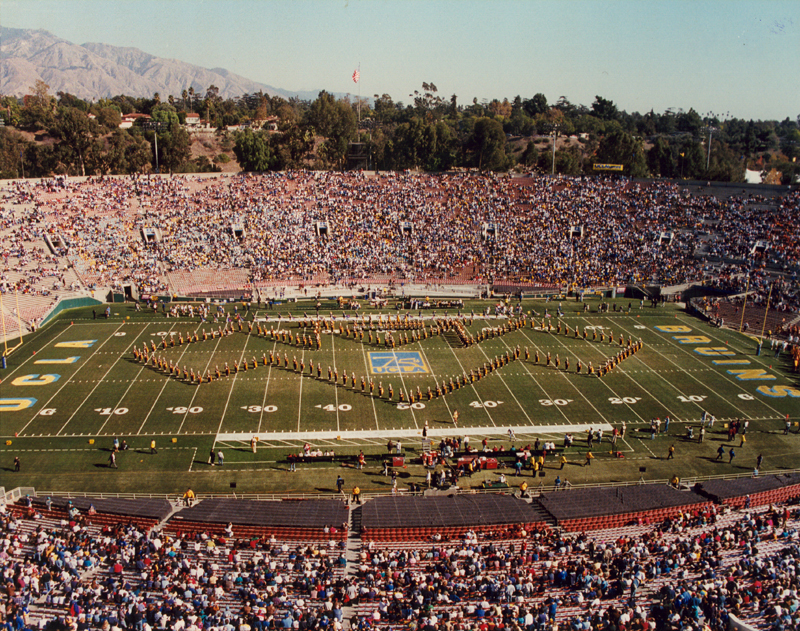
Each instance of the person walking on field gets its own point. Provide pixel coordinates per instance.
(589, 458)
(671, 452)
(212, 456)
(153, 446)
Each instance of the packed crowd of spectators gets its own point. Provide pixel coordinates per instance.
(327, 226)
(690, 572)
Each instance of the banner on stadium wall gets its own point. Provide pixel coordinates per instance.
(608, 167)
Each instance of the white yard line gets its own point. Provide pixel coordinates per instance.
(372, 398)
(688, 374)
(474, 389)
(564, 376)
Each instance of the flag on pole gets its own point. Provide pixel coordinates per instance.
(356, 75)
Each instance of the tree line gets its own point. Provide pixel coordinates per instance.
(46, 135)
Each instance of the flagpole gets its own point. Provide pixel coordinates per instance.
(359, 93)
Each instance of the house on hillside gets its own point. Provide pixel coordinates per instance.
(129, 120)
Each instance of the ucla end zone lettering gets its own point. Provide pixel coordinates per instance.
(397, 363)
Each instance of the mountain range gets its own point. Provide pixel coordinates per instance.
(94, 71)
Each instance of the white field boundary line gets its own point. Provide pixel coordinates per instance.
(67, 381)
(555, 430)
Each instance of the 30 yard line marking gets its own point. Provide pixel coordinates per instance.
(564, 376)
(233, 383)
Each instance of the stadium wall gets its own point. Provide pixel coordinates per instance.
(69, 303)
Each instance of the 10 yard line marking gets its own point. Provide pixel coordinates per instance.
(67, 381)
(110, 368)
(741, 412)
(732, 380)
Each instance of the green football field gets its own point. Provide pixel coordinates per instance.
(75, 385)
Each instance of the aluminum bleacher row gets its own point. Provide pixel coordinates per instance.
(772, 489)
(289, 519)
(410, 518)
(144, 513)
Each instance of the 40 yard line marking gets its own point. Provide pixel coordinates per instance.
(366, 369)
(511, 392)
(474, 389)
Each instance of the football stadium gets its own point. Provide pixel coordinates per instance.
(458, 401)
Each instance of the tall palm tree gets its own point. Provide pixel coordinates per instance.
(191, 97)
(184, 94)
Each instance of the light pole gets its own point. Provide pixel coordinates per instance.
(555, 135)
(156, 126)
(711, 130)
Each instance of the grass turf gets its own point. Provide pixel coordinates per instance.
(105, 393)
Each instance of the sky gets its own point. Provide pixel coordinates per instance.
(736, 57)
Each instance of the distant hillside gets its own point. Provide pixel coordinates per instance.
(100, 70)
